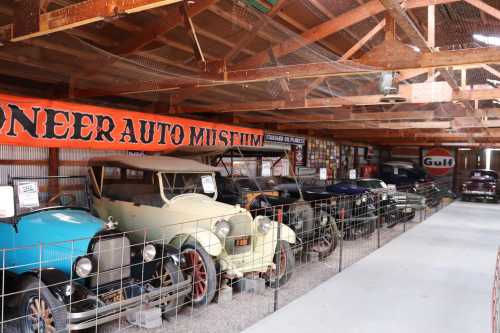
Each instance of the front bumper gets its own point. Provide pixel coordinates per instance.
(406, 207)
(85, 314)
(487, 194)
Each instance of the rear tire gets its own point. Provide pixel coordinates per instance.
(201, 267)
(39, 310)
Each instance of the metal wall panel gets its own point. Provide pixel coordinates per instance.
(82, 155)
(10, 152)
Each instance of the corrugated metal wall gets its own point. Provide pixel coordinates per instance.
(73, 161)
(33, 162)
(37, 165)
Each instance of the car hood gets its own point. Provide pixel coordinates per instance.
(199, 206)
(346, 189)
(58, 225)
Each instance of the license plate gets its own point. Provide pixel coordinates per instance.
(113, 297)
(242, 241)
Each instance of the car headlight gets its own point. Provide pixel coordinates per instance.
(222, 228)
(263, 224)
(149, 252)
(323, 219)
(83, 267)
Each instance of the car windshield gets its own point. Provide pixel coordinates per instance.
(34, 194)
(182, 183)
(488, 174)
(371, 183)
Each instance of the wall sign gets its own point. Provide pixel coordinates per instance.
(438, 161)
(45, 123)
(285, 139)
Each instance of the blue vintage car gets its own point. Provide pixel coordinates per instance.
(65, 269)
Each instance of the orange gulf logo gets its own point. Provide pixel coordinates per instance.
(438, 161)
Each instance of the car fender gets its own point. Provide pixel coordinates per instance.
(55, 279)
(207, 239)
(286, 233)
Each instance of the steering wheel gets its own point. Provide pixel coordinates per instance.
(59, 195)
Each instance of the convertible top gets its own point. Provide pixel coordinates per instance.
(153, 163)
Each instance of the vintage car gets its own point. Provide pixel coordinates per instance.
(482, 185)
(175, 201)
(349, 204)
(64, 268)
(410, 178)
(394, 204)
(314, 225)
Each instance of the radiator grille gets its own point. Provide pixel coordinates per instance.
(240, 227)
(108, 254)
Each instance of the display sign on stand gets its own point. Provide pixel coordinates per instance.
(323, 175)
(208, 184)
(27, 194)
(266, 168)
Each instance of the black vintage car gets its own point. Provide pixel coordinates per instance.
(353, 205)
(482, 185)
(411, 179)
(313, 223)
(395, 206)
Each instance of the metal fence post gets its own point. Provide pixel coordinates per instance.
(341, 215)
(278, 261)
(379, 220)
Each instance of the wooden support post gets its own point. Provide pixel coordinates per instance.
(431, 34)
(390, 27)
(53, 184)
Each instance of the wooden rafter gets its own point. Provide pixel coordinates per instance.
(330, 27)
(80, 14)
(441, 59)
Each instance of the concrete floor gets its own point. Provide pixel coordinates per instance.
(435, 278)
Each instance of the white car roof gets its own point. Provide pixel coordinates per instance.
(153, 163)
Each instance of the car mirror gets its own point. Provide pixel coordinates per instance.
(6, 202)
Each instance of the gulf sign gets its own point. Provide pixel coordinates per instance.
(55, 124)
(438, 161)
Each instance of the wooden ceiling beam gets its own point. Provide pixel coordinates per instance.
(77, 15)
(455, 58)
(360, 13)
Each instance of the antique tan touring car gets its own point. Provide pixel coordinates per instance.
(174, 199)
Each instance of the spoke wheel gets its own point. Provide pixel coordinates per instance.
(286, 260)
(165, 276)
(328, 240)
(39, 310)
(198, 271)
(40, 316)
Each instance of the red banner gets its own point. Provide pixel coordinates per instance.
(45, 123)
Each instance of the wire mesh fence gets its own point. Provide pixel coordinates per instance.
(217, 272)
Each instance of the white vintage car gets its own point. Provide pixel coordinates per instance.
(174, 200)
